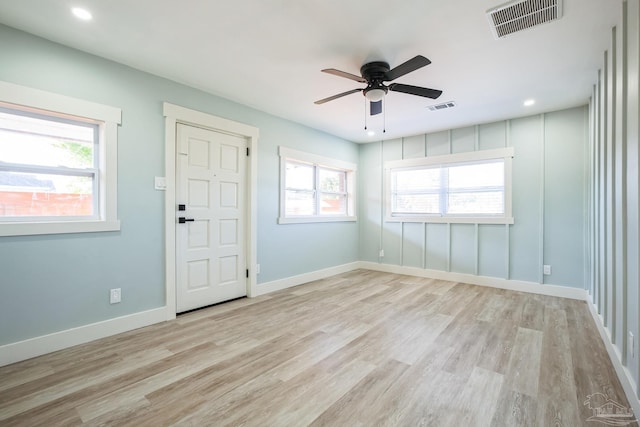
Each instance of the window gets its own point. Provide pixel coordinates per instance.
(57, 163)
(468, 187)
(315, 188)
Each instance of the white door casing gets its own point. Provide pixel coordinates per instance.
(173, 115)
(210, 243)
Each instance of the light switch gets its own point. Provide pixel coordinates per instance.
(161, 183)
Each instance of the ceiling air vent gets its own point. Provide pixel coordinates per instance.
(522, 14)
(442, 106)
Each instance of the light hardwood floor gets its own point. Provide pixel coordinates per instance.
(359, 349)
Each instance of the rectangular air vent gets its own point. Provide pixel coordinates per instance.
(522, 14)
(442, 106)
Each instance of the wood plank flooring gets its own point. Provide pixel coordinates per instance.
(358, 349)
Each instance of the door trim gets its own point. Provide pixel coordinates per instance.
(175, 114)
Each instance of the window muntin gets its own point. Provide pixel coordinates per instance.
(467, 187)
(315, 188)
(48, 167)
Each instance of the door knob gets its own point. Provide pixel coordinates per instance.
(182, 220)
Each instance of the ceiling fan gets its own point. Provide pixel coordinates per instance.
(374, 74)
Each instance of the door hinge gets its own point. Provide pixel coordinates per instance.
(247, 273)
(247, 151)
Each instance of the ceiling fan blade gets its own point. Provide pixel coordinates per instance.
(407, 67)
(344, 74)
(375, 107)
(340, 95)
(415, 90)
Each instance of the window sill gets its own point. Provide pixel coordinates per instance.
(308, 220)
(61, 227)
(453, 220)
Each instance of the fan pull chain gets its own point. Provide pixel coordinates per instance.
(365, 114)
(384, 117)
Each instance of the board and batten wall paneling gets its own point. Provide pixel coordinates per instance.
(597, 196)
(391, 231)
(370, 195)
(614, 196)
(592, 217)
(437, 247)
(438, 143)
(632, 25)
(412, 236)
(511, 252)
(463, 140)
(620, 196)
(492, 249)
(610, 119)
(413, 244)
(564, 213)
(492, 135)
(524, 245)
(602, 182)
(413, 147)
(463, 248)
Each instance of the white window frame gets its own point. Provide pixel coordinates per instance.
(108, 118)
(317, 161)
(505, 154)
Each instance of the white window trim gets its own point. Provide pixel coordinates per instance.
(296, 155)
(110, 118)
(472, 156)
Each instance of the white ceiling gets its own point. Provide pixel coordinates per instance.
(268, 54)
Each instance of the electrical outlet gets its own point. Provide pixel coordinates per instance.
(115, 296)
(381, 253)
(632, 347)
(546, 270)
(257, 268)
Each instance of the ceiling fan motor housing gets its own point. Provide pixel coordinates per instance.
(375, 73)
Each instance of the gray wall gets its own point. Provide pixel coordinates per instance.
(549, 203)
(614, 204)
(56, 282)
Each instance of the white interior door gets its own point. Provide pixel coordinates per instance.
(210, 243)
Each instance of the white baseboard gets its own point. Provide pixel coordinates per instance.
(625, 376)
(493, 282)
(22, 350)
(288, 282)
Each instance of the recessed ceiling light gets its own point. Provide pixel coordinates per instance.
(371, 133)
(81, 13)
(529, 102)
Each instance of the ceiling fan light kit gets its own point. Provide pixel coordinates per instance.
(375, 74)
(375, 94)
